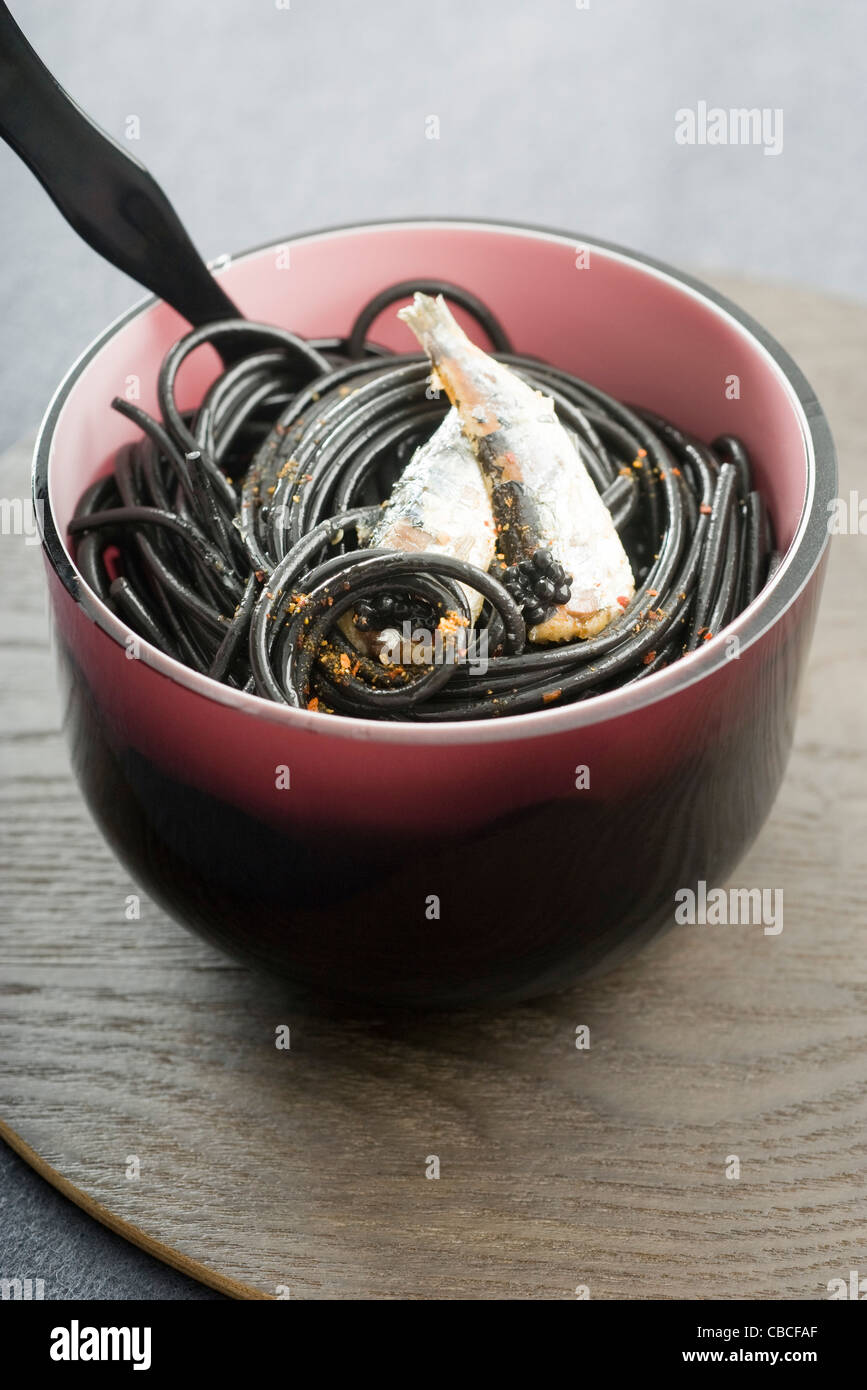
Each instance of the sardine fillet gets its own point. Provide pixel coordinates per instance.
(542, 496)
(439, 503)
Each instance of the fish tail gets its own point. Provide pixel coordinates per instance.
(432, 323)
(455, 360)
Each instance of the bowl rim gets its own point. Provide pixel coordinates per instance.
(794, 573)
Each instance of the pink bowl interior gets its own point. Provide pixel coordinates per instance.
(626, 327)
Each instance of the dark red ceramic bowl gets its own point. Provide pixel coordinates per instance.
(438, 866)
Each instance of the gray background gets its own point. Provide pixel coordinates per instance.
(261, 121)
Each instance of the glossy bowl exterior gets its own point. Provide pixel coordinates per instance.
(420, 866)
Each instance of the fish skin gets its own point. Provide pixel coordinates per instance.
(541, 493)
(439, 503)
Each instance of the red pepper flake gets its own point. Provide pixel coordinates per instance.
(552, 695)
(675, 472)
(642, 453)
(655, 613)
(648, 657)
(707, 636)
(705, 509)
(344, 662)
(314, 703)
(652, 593)
(624, 602)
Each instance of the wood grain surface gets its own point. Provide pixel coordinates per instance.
(302, 1172)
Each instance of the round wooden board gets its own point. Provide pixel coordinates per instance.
(302, 1172)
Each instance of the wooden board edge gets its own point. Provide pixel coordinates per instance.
(185, 1264)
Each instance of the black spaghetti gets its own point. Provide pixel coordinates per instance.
(232, 537)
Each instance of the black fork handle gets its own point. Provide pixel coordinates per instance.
(103, 192)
